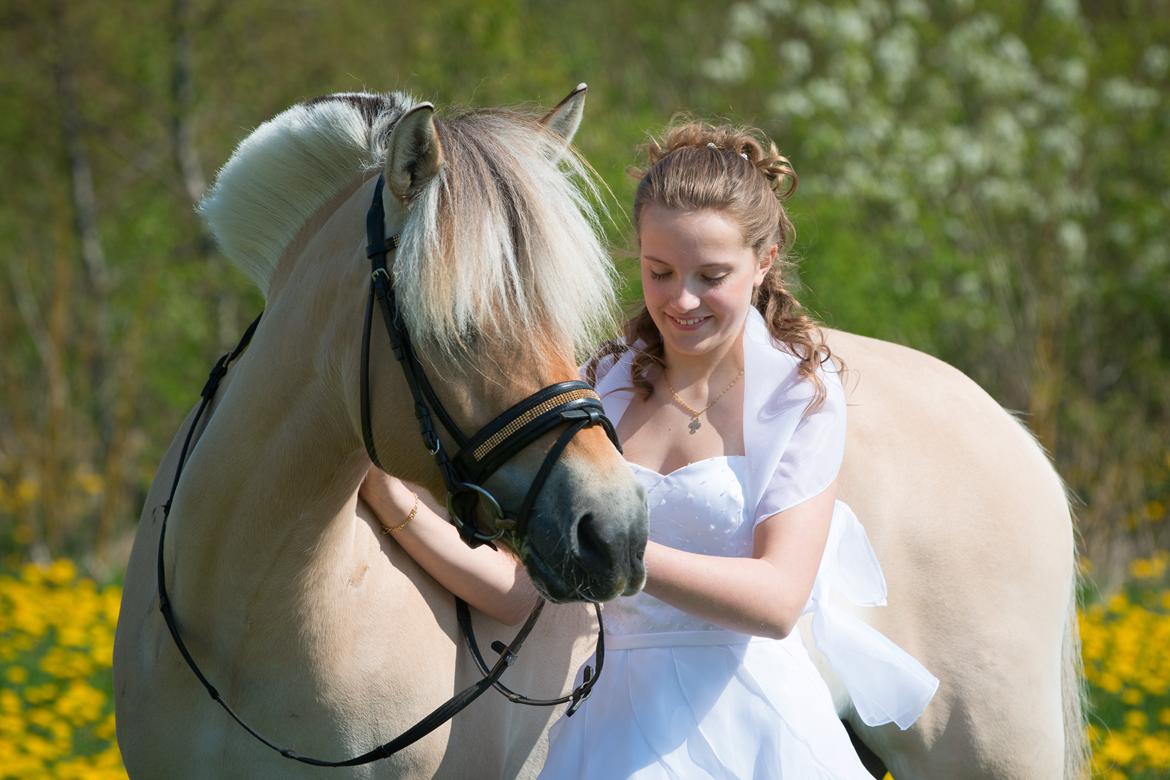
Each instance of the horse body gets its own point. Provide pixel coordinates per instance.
(310, 622)
(972, 527)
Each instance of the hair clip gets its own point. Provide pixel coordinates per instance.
(711, 145)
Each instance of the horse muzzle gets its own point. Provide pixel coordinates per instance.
(598, 554)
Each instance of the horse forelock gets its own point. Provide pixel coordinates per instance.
(288, 168)
(505, 244)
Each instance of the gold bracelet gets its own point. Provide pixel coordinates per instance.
(406, 522)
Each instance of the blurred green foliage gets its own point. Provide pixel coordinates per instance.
(987, 181)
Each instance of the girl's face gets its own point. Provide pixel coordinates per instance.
(697, 277)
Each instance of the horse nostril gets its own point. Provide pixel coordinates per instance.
(591, 549)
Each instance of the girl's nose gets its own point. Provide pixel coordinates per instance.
(685, 299)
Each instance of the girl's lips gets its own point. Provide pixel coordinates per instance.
(688, 323)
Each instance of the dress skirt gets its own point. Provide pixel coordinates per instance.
(704, 704)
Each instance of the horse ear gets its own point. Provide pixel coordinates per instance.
(566, 117)
(415, 154)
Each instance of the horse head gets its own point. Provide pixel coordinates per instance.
(500, 277)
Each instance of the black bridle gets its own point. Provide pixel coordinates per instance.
(573, 404)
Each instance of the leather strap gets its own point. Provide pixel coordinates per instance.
(433, 720)
(573, 404)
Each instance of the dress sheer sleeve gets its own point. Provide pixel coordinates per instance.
(604, 364)
(813, 455)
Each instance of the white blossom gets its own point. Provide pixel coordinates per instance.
(791, 103)
(897, 56)
(912, 9)
(1073, 72)
(732, 64)
(1156, 61)
(747, 21)
(795, 57)
(1121, 232)
(852, 27)
(1071, 237)
(777, 7)
(828, 95)
(1061, 143)
(1062, 9)
(1125, 95)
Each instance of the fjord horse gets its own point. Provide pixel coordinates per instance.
(314, 626)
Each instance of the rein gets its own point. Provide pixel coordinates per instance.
(572, 403)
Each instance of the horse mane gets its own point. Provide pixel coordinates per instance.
(505, 240)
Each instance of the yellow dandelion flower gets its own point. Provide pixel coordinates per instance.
(41, 718)
(1142, 569)
(72, 636)
(12, 726)
(1117, 749)
(90, 483)
(106, 729)
(61, 572)
(1136, 720)
(27, 491)
(62, 734)
(39, 694)
(1155, 750)
(1110, 682)
(10, 703)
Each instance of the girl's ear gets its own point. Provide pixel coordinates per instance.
(767, 260)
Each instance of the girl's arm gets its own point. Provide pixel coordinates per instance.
(762, 595)
(492, 581)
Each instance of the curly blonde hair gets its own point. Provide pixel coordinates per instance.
(740, 173)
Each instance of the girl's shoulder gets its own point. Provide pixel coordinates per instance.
(784, 388)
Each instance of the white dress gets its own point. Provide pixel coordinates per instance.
(681, 698)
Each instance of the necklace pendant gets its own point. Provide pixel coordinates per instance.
(695, 425)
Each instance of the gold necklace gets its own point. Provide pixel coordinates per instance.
(695, 424)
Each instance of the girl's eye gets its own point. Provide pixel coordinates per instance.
(712, 281)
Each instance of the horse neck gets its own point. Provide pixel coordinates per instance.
(276, 470)
(274, 473)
